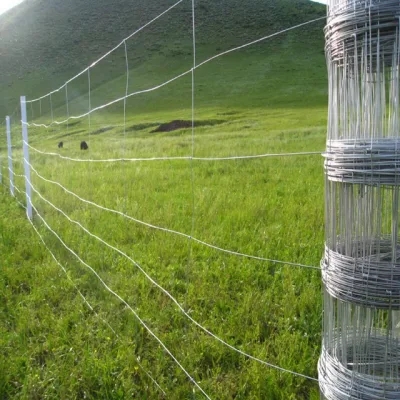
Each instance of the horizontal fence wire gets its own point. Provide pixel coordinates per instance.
(178, 158)
(123, 301)
(89, 305)
(360, 267)
(168, 294)
(166, 82)
(190, 237)
(106, 54)
(124, 215)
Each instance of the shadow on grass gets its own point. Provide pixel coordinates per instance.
(102, 130)
(185, 124)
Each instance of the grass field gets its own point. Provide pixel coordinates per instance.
(267, 99)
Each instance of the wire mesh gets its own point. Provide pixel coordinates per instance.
(361, 262)
(360, 352)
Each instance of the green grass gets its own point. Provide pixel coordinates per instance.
(266, 207)
(269, 207)
(270, 98)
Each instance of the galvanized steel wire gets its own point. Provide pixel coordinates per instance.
(360, 356)
(368, 276)
(350, 22)
(368, 162)
(341, 383)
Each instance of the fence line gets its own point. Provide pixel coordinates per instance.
(108, 53)
(94, 272)
(190, 71)
(14, 160)
(29, 186)
(18, 175)
(89, 305)
(190, 237)
(16, 199)
(165, 291)
(249, 356)
(177, 158)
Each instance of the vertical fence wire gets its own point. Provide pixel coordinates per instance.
(361, 266)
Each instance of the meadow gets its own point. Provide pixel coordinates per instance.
(163, 218)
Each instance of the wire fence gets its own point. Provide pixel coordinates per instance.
(160, 205)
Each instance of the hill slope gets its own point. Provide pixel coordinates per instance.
(45, 42)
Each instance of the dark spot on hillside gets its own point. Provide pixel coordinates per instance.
(140, 127)
(173, 126)
(185, 124)
(102, 130)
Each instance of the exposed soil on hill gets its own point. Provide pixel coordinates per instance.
(185, 124)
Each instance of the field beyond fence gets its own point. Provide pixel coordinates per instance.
(178, 255)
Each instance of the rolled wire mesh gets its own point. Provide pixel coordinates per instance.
(359, 161)
(336, 7)
(361, 263)
(360, 353)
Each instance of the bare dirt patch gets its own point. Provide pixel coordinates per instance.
(185, 124)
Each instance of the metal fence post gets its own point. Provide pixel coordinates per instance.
(10, 163)
(27, 169)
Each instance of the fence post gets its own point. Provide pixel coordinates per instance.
(26, 158)
(10, 163)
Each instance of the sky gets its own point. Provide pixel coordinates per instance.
(7, 4)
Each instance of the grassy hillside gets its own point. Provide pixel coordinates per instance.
(43, 43)
(269, 98)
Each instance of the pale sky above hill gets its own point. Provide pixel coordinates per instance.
(7, 4)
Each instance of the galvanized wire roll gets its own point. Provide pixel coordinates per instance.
(340, 6)
(361, 26)
(364, 274)
(361, 266)
(344, 381)
(358, 161)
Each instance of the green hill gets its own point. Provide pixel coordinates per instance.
(43, 43)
